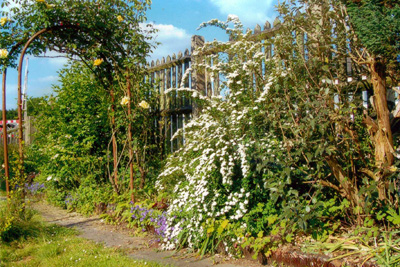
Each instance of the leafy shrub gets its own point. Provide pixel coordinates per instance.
(230, 162)
(16, 222)
(275, 156)
(86, 198)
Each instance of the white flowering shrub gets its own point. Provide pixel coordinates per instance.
(270, 157)
(217, 173)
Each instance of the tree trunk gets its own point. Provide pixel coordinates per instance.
(142, 177)
(383, 137)
(346, 189)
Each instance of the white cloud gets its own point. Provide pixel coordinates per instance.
(250, 12)
(50, 78)
(57, 60)
(172, 40)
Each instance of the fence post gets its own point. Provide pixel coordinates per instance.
(198, 78)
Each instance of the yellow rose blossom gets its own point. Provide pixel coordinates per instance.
(125, 100)
(41, 1)
(97, 62)
(3, 53)
(3, 21)
(144, 104)
(120, 18)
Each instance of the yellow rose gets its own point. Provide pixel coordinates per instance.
(97, 62)
(3, 53)
(125, 100)
(120, 18)
(41, 1)
(144, 104)
(3, 21)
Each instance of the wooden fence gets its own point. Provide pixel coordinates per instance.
(12, 132)
(176, 106)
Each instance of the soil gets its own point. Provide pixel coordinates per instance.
(141, 248)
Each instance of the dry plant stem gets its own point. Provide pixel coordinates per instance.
(122, 151)
(346, 187)
(110, 177)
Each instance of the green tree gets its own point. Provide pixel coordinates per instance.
(377, 26)
(106, 36)
(72, 130)
(12, 114)
(33, 105)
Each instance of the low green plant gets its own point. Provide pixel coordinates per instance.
(88, 197)
(15, 221)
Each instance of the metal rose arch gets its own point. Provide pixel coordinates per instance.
(109, 32)
(19, 99)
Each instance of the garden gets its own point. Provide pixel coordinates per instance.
(300, 151)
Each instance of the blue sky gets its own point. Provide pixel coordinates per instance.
(176, 20)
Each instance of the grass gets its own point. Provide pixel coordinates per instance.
(42, 244)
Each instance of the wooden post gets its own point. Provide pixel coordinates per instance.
(198, 78)
(174, 106)
(168, 73)
(174, 100)
(180, 96)
(186, 66)
(168, 108)
(268, 48)
(276, 22)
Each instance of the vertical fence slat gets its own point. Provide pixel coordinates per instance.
(186, 66)
(180, 96)
(198, 78)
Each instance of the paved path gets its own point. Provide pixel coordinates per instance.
(93, 228)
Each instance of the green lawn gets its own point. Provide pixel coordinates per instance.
(42, 244)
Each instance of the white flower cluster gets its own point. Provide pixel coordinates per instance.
(218, 138)
(218, 146)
